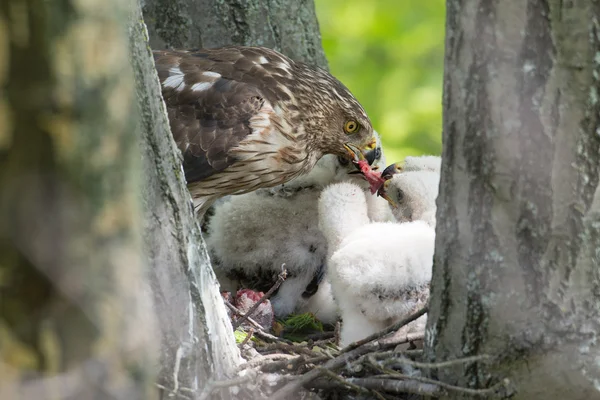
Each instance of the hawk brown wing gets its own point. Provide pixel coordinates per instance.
(211, 95)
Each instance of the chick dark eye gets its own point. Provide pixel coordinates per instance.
(400, 196)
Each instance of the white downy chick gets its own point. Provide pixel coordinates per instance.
(250, 236)
(423, 163)
(413, 190)
(379, 272)
(414, 194)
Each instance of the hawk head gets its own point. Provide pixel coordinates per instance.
(333, 118)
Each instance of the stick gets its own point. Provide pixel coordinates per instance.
(280, 280)
(212, 385)
(432, 388)
(393, 363)
(258, 328)
(294, 386)
(398, 387)
(248, 337)
(392, 328)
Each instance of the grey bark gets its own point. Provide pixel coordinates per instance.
(197, 340)
(76, 317)
(516, 271)
(288, 26)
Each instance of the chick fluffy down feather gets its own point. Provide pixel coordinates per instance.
(252, 235)
(423, 163)
(415, 194)
(379, 272)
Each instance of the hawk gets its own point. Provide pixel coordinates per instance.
(249, 117)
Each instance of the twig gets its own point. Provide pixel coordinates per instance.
(269, 358)
(292, 387)
(212, 385)
(382, 355)
(391, 374)
(273, 288)
(239, 313)
(321, 335)
(173, 393)
(292, 365)
(411, 337)
(258, 328)
(433, 388)
(293, 348)
(392, 328)
(336, 332)
(343, 381)
(398, 387)
(267, 336)
(248, 337)
(393, 363)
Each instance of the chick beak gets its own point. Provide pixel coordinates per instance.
(391, 170)
(386, 175)
(382, 193)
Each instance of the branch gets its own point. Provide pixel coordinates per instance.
(394, 363)
(292, 365)
(273, 288)
(399, 387)
(343, 359)
(212, 385)
(248, 337)
(293, 348)
(345, 382)
(257, 327)
(426, 387)
(392, 328)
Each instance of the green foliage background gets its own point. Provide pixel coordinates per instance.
(389, 53)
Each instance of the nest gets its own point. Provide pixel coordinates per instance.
(305, 362)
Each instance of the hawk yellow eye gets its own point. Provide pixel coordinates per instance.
(351, 126)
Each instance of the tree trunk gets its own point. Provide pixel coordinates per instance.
(288, 26)
(75, 311)
(197, 338)
(516, 267)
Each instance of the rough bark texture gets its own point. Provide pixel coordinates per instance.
(289, 26)
(75, 309)
(192, 315)
(517, 259)
(197, 340)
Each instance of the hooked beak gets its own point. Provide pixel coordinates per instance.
(373, 155)
(369, 153)
(354, 153)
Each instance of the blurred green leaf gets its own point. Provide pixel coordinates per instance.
(390, 54)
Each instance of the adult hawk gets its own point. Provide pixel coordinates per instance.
(250, 117)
